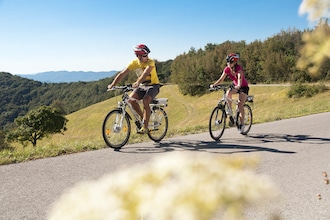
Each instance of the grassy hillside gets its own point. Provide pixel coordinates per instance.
(189, 114)
(186, 115)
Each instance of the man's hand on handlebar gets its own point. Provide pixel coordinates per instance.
(135, 85)
(110, 87)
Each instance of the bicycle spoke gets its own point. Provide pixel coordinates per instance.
(158, 124)
(116, 129)
(217, 123)
(247, 119)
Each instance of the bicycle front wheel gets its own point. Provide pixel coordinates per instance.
(158, 124)
(217, 123)
(247, 119)
(116, 129)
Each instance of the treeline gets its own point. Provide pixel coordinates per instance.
(270, 61)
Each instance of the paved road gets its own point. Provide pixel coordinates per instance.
(293, 153)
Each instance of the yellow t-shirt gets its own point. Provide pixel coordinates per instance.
(138, 67)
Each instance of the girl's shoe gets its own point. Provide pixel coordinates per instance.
(143, 130)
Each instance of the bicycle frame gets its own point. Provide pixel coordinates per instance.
(122, 106)
(224, 101)
(162, 102)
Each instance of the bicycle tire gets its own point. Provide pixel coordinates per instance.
(247, 119)
(217, 123)
(158, 124)
(114, 135)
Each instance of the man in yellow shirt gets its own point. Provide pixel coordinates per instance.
(145, 69)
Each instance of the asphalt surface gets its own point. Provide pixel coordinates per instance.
(293, 152)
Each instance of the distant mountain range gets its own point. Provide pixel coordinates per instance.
(68, 76)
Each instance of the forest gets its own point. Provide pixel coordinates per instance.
(273, 60)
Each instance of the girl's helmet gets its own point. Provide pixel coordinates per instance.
(141, 49)
(232, 57)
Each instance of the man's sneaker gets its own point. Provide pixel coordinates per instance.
(143, 130)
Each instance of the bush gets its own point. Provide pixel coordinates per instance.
(299, 90)
(3, 143)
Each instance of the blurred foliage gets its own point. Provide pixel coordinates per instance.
(315, 9)
(315, 53)
(205, 187)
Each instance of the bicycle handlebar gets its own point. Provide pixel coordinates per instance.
(124, 88)
(224, 88)
(218, 87)
(129, 87)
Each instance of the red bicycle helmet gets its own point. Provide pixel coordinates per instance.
(141, 49)
(232, 57)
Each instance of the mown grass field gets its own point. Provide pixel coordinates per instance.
(186, 114)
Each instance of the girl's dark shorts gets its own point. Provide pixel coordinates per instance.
(245, 89)
(151, 90)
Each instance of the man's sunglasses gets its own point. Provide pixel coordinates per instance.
(144, 55)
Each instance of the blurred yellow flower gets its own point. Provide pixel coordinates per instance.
(180, 185)
(315, 9)
(317, 42)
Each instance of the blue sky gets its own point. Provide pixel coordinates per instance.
(98, 35)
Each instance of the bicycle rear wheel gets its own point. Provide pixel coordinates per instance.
(247, 119)
(217, 123)
(158, 124)
(116, 129)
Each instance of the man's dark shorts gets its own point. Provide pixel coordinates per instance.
(151, 90)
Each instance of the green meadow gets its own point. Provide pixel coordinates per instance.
(187, 115)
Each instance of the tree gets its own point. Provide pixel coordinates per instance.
(37, 124)
(58, 104)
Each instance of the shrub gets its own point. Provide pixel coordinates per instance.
(299, 90)
(3, 143)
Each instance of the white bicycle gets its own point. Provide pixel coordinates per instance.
(223, 110)
(116, 128)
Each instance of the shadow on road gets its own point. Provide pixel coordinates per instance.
(243, 144)
(214, 147)
(300, 138)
